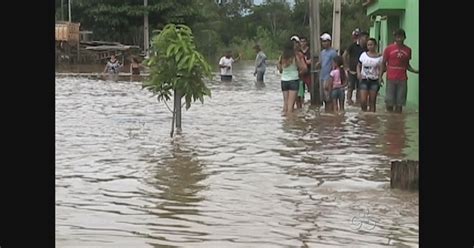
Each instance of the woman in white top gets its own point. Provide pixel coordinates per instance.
(368, 73)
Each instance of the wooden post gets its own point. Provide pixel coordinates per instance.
(404, 174)
(315, 47)
(146, 39)
(62, 10)
(78, 50)
(69, 9)
(336, 25)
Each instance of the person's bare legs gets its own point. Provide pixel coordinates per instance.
(310, 95)
(299, 102)
(326, 107)
(341, 103)
(350, 89)
(300, 98)
(358, 96)
(375, 98)
(372, 98)
(285, 102)
(398, 109)
(349, 96)
(363, 100)
(292, 94)
(334, 105)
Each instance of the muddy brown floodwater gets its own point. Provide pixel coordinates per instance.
(240, 175)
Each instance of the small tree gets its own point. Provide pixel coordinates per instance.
(177, 68)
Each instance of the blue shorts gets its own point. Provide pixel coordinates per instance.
(290, 85)
(338, 94)
(369, 85)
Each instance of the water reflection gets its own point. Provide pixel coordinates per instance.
(394, 135)
(177, 176)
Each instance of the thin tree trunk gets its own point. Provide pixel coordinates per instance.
(174, 115)
(178, 111)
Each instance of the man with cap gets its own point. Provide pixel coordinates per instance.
(325, 64)
(355, 35)
(295, 38)
(351, 59)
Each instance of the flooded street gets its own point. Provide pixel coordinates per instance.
(240, 175)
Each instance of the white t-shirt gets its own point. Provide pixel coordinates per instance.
(226, 62)
(370, 66)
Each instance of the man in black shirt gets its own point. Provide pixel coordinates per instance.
(351, 59)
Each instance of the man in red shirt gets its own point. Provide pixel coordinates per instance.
(396, 61)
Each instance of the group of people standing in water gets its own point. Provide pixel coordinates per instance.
(360, 68)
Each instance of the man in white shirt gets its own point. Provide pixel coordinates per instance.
(225, 63)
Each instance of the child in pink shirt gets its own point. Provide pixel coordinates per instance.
(336, 84)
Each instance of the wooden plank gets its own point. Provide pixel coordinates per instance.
(98, 43)
(404, 174)
(67, 31)
(105, 48)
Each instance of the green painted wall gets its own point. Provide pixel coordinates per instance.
(376, 34)
(411, 25)
(384, 39)
(386, 5)
(393, 23)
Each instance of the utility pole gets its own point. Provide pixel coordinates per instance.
(315, 47)
(146, 34)
(69, 9)
(336, 25)
(62, 10)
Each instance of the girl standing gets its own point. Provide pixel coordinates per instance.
(336, 84)
(290, 66)
(368, 71)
